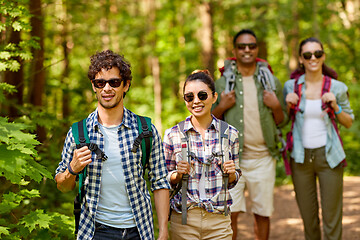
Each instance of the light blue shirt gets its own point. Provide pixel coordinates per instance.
(114, 207)
(334, 151)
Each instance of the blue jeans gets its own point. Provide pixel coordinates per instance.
(103, 232)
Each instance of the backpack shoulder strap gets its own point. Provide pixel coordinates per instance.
(146, 144)
(326, 88)
(81, 138)
(229, 74)
(80, 133)
(144, 138)
(266, 77)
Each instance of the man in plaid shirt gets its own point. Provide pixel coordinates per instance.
(117, 204)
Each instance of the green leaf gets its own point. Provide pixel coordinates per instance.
(5, 55)
(9, 202)
(3, 66)
(17, 26)
(36, 219)
(4, 230)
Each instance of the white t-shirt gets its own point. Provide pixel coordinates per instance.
(314, 132)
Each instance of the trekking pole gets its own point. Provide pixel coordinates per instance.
(184, 183)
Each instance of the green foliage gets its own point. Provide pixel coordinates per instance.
(17, 151)
(4, 87)
(16, 15)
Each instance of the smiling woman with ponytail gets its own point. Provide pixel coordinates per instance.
(317, 103)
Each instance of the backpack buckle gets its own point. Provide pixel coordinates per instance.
(147, 133)
(92, 147)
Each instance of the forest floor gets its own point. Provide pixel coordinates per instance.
(286, 223)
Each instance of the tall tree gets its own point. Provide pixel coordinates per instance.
(154, 62)
(15, 78)
(206, 35)
(37, 72)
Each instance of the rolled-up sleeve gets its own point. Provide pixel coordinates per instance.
(67, 153)
(158, 171)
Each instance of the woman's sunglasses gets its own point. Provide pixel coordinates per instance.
(101, 83)
(317, 54)
(189, 97)
(242, 46)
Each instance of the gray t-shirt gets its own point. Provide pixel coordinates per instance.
(114, 206)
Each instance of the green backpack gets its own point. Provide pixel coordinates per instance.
(81, 138)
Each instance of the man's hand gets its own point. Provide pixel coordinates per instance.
(163, 234)
(161, 199)
(228, 100)
(81, 158)
(270, 99)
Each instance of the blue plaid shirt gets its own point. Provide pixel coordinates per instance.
(203, 150)
(138, 193)
(334, 150)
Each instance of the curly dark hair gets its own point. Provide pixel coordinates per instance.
(106, 60)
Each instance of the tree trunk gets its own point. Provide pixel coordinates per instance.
(66, 68)
(16, 79)
(155, 68)
(155, 65)
(37, 76)
(206, 36)
(293, 61)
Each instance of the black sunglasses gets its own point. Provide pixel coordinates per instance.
(189, 97)
(101, 83)
(242, 46)
(317, 54)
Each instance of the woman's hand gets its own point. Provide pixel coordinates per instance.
(229, 168)
(330, 98)
(182, 167)
(291, 99)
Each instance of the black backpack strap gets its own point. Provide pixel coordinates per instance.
(81, 137)
(144, 138)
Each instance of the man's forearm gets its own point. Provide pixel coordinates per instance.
(161, 198)
(218, 111)
(65, 181)
(278, 114)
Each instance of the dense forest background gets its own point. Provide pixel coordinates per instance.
(45, 47)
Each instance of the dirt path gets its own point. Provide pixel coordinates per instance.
(286, 223)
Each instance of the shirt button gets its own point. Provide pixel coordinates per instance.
(241, 134)
(241, 92)
(241, 120)
(241, 150)
(241, 106)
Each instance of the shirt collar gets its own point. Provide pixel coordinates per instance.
(213, 125)
(127, 121)
(301, 79)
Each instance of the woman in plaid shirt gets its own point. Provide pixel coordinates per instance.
(206, 196)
